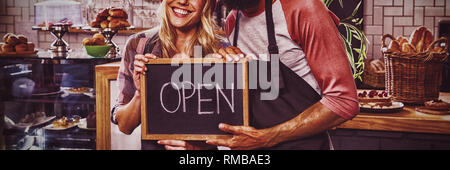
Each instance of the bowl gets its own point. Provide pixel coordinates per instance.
(97, 51)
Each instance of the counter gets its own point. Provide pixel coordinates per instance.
(408, 120)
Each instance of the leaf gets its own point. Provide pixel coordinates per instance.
(356, 8)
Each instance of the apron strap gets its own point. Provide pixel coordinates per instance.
(273, 47)
(236, 29)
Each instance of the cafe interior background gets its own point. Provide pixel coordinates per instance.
(40, 89)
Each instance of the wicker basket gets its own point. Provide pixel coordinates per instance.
(414, 78)
(373, 78)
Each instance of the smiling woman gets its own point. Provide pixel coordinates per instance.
(184, 16)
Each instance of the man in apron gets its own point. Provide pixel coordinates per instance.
(316, 91)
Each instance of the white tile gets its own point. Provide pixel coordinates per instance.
(418, 16)
(434, 11)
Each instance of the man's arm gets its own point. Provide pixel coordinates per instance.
(313, 120)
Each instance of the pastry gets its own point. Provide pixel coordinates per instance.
(6, 36)
(21, 48)
(22, 39)
(88, 42)
(104, 13)
(95, 24)
(118, 23)
(6, 48)
(30, 46)
(104, 24)
(118, 13)
(402, 40)
(437, 105)
(375, 99)
(421, 39)
(408, 49)
(12, 40)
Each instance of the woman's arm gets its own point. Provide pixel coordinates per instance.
(128, 116)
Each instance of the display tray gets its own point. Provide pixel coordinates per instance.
(52, 127)
(396, 107)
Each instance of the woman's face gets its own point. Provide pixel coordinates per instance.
(184, 14)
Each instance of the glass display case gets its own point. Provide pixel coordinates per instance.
(46, 101)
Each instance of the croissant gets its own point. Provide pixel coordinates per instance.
(118, 23)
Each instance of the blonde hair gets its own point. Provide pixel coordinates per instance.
(204, 37)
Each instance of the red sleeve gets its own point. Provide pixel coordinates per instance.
(230, 23)
(313, 27)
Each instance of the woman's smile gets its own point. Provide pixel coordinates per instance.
(181, 13)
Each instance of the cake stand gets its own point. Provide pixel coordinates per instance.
(109, 34)
(59, 47)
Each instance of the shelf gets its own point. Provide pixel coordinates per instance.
(81, 99)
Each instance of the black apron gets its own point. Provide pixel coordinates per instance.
(295, 96)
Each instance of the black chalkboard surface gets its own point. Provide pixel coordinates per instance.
(186, 99)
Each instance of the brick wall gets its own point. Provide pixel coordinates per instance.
(401, 17)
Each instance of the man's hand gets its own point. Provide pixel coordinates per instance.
(244, 138)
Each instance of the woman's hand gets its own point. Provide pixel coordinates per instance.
(183, 145)
(139, 68)
(231, 54)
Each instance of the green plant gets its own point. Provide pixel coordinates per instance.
(353, 32)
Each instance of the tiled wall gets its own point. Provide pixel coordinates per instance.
(400, 18)
(17, 16)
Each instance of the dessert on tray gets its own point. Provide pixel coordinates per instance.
(374, 99)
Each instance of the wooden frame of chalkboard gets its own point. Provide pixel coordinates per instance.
(148, 135)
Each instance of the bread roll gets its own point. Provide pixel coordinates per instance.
(22, 39)
(21, 48)
(421, 39)
(394, 46)
(6, 48)
(99, 37)
(30, 46)
(5, 38)
(402, 40)
(12, 40)
(1, 47)
(408, 49)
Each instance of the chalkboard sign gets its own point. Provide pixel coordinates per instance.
(186, 99)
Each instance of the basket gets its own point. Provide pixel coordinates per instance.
(373, 78)
(414, 78)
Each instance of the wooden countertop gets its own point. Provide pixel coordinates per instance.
(407, 120)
